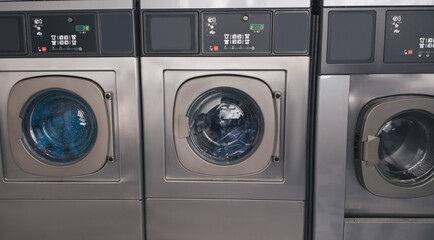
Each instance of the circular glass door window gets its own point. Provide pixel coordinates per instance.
(406, 148)
(225, 126)
(59, 126)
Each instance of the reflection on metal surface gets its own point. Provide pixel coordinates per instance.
(204, 4)
(66, 5)
(331, 143)
(388, 228)
(72, 219)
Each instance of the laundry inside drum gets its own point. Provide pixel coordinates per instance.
(226, 126)
(59, 127)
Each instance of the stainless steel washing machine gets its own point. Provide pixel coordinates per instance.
(225, 109)
(375, 119)
(70, 121)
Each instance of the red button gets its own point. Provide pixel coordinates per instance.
(216, 48)
(410, 52)
(44, 49)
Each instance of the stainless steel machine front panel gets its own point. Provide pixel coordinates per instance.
(192, 219)
(377, 3)
(66, 5)
(364, 88)
(71, 220)
(209, 4)
(330, 157)
(338, 193)
(293, 185)
(123, 179)
(388, 228)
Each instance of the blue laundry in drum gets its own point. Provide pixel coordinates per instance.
(59, 126)
(225, 126)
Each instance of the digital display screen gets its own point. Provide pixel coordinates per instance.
(347, 43)
(256, 26)
(171, 32)
(11, 38)
(80, 28)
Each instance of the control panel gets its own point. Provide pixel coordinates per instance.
(63, 33)
(409, 37)
(236, 32)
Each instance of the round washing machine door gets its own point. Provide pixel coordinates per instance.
(226, 125)
(397, 147)
(58, 126)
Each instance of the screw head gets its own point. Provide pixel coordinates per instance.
(245, 18)
(108, 96)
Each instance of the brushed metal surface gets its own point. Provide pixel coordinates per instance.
(205, 4)
(293, 185)
(396, 229)
(65, 5)
(363, 88)
(71, 220)
(193, 219)
(330, 157)
(119, 180)
(366, 3)
(273, 171)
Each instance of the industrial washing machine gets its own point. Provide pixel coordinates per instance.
(225, 108)
(375, 121)
(70, 121)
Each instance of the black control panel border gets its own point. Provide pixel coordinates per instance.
(98, 53)
(217, 10)
(97, 37)
(378, 65)
(270, 46)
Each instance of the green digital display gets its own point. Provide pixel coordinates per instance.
(80, 28)
(256, 26)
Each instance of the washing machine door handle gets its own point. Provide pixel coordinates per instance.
(370, 151)
(277, 96)
(182, 125)
(108, 96)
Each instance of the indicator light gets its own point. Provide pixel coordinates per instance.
(256, 26)
(80, 28)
